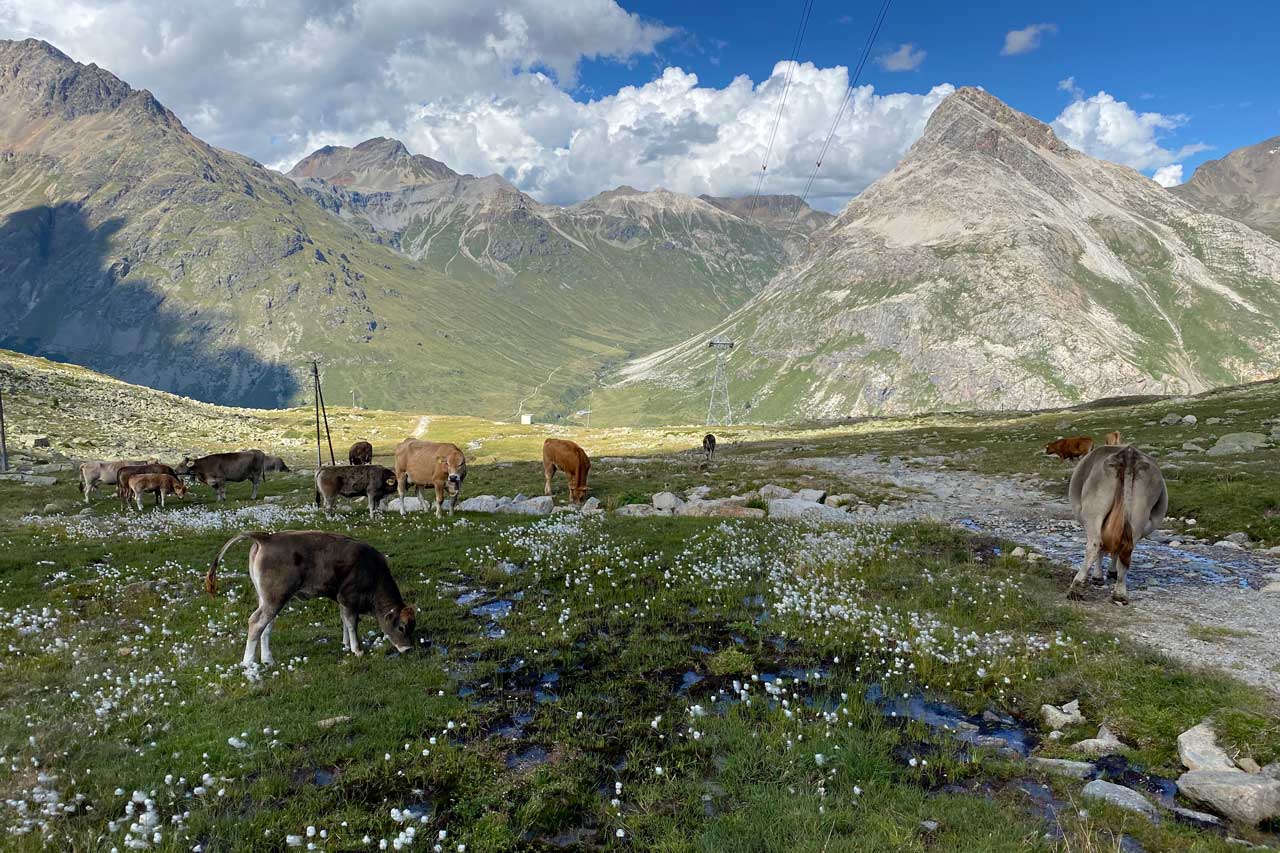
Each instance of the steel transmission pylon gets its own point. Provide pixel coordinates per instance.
(719, 411)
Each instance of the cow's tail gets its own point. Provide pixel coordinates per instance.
(1117, 532)
(211, 578)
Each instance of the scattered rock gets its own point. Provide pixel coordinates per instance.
(795, 508)
(1104, 743)
(1240, 538)
(1244, 797)
(1059, 718)
(541, 505)
(772, 492)
(1019, 552)
(50, 508)
(1192, 446)
(1189, 420)
(50, 468)
(667, 501)
(1238, 442)
(1198, 748)
(699, 493)
(815, 495)
(33, 479)
(839, 500)
(1200, 820)
(929, 826)
(1170, 419)
(1214, 421)
(410, 503)
(1063, 767)
(1119, 795)
(718, 509)
(1228, 544)
(273, 499)
(591, 506)
(1272, 770)
(330, 722)
(1248, 765)
(636, 510)
(480, 503)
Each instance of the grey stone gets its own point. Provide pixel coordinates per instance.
(1063, 767)
(718, 509)
(1228, 544)
(33, 479)
(1104, 743)
(790, 509)
(1119, 795)
(929, 826)
(1018, 552)
(1200, 820)
(1192, 446)
(1214, 421)
(1189, 420)
(1244, 797)
(699, 493)
(591, 506)
(50, 468)
(667, 500)
(40, 441)
(410, 503)
(1170, 419)
(1059, 718)
(1238, 442)
(330, 722)
(838, 500)
(1198, 749)
(480, 503)
(541, 505)
(1272, 770)
(815, 495)
(772, 492)
(1240, 538)
(636, 510)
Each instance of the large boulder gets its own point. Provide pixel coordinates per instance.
(668, 501)
(636, 510)
(1238, 442)
(792, 509)
(772, 492)
(1063, 767)
(1198, 748)
(1119, 795)
(718, 509)
(1247, 798)
(815, 495)
(480, 503)
(410, 504)
(541, 505)
(1104, 743)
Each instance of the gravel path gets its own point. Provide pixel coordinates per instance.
(1199, 603)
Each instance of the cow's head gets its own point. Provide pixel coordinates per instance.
(179, 488)
(1114, 438)
(399, 624)
(453, 467)
(579, 493)
(184, 467)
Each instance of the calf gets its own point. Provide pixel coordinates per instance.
(349, 481)
(1118, 496)
(709, 446)
(162, 484)
(218, 469)
(1114, 439)
(440, 464)
(123, 475)
(311, 564)
(361, 453)
(1069, 448)
(567, 456)
(93, 473)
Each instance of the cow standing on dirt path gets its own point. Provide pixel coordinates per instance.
(317, 564)
(1118, 496)
(94, 473)
(218, 469)
(566, 456)
(439, 464)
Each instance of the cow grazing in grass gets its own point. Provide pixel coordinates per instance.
(274, 463)
(709, 446)
(1118, 496)
(373, 482)
(123, 475)
(361, 453)
(161, 484)
(218, 469)
(94, 473)
(1114, 439)
(316, 564)
(564, 455)
(1069, 448)
(423, 463)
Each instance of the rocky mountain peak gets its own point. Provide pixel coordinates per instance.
(974, 118)
(375, 165)
(1244, 185)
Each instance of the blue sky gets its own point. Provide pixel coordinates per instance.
(568, 98)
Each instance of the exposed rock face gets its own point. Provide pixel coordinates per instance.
(1118, 795)
(373, 165)
(1244, 185)
(994, 267)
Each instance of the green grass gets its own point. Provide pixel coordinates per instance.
(619, 610)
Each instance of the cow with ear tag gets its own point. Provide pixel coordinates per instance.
(438, 464)
(350, 481)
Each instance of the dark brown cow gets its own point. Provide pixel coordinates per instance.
(274, 463)
(123, 475)
(218, 469)
(422, 463)
(1070, 448)
(350, 481)
(361, 453)
(709, 446)
(162, 484)
(316, 564)
(566, 456)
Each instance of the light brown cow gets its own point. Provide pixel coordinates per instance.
(1114, 439)
(162, 484)
(123, 475)
(1070, 448)
(439, 464)
(93, 473)
(564, 455)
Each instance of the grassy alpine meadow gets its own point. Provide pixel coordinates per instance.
(582, 682)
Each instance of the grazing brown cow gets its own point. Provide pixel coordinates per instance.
(274, 463)
(315, 564)
(430, 463)
(565, 455)
(349, 481)
(1070, 448)
(1118, 496)
(123, 475)
(93, 473)
(709, 446)
(162, 484)
(218, 469)
(361, 453)
(1114, 439)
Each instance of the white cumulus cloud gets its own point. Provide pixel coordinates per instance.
(1026, 39)
(1104, 127)
(1168, 176)
(906, 58)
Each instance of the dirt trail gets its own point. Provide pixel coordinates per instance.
(1196, 602)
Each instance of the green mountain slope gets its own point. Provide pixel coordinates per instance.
(994, 267)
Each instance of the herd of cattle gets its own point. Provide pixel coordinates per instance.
(1117, 493)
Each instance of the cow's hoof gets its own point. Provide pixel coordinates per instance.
(1122, 600)
(1074, 592)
